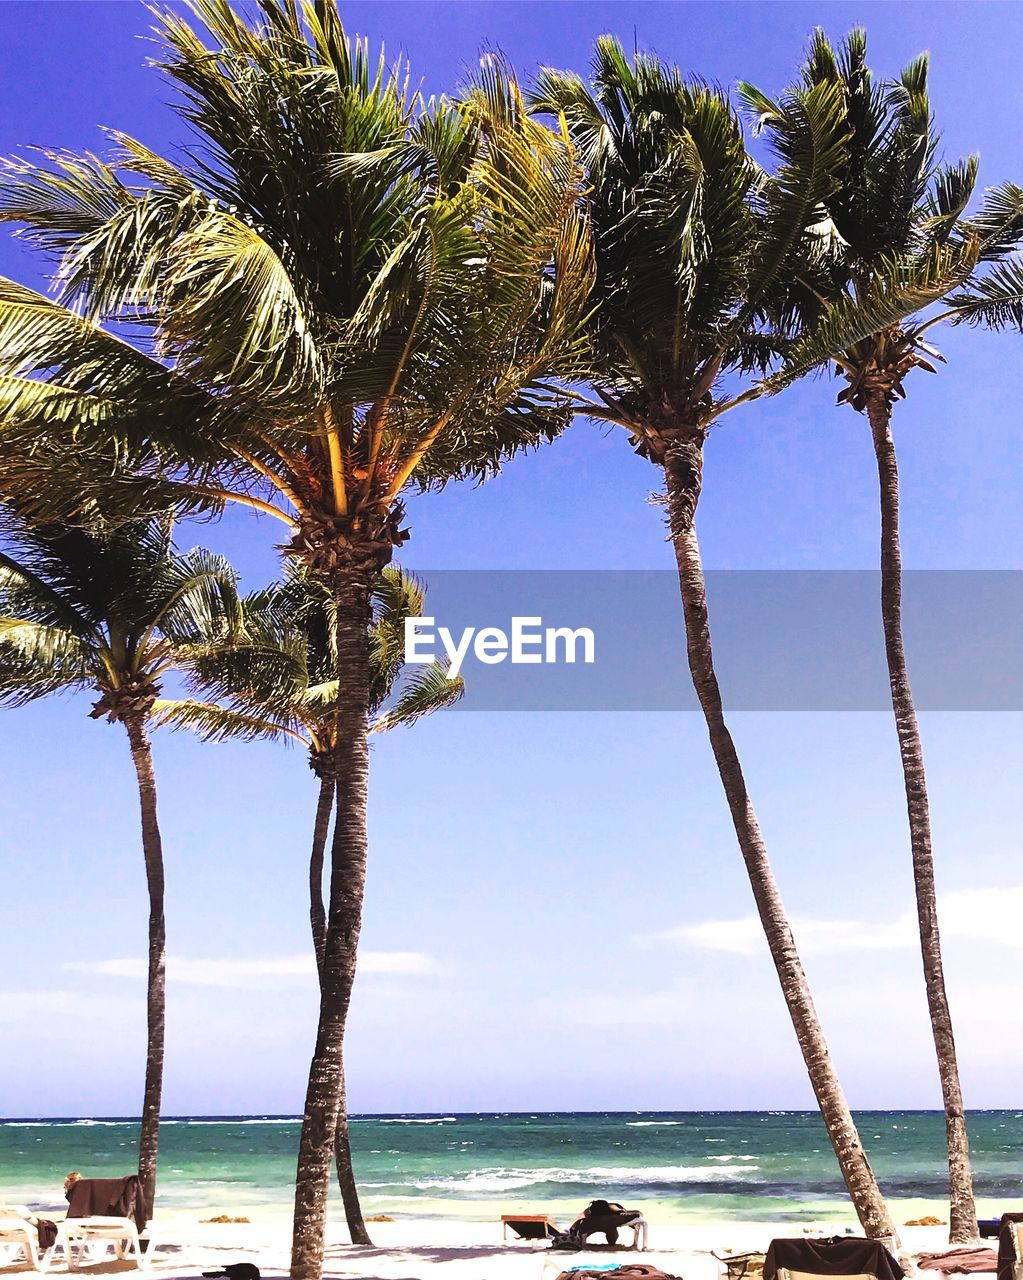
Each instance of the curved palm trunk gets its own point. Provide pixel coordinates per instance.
(325, 1099)
(318, 922)
(149, 1137)
(683, 473)
(357, 1229)
(963, 1208)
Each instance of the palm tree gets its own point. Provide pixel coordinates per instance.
(903, 242)
(353, 292)
(696, 254)
(112, 613)
(276, 680)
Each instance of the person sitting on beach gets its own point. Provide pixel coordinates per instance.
(602, 1215)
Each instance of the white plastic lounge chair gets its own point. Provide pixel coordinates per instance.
(785, 1274)
(92, 1236)
(18, 1234)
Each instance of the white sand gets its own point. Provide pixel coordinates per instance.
(420, 1249)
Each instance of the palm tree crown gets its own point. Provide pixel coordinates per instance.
(111, 612)
(349, 289)
(902, 238)
(276, 677)
(695, 246)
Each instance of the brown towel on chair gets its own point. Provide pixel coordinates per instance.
(108, 1198)
(837, 1256)
(47, 1233)
(1006, 1249)
(959, 1261)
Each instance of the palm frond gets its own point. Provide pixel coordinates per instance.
(900, 290)
(995, 300)
(232, 315)
(428, 689)
(214, 723)
(999, 221)
(37, 660)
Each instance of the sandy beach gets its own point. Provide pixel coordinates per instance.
(417, 1249)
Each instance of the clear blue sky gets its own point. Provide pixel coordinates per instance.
(557, 911)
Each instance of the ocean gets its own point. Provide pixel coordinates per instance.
(694, 1165)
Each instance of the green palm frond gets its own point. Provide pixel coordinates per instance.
(201, 600)
(28, 594)
(428, 689)
(61, 201)
(953, 186)
(398, 596)
(278, 665)
(899, 291)
(108, 610)
(809, 134)
(232, 315)
(995, 300)
(214, 723)
(37, 660)
(999, 221)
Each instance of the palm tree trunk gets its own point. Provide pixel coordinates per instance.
(318, 921)
(325, 1099)
(149, 1137)
(963, 1208)
(683, 472)
(321, 829)
(357, 1229)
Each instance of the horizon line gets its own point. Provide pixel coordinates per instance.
(531, 1113)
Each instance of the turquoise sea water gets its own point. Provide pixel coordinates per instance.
(727, 1165)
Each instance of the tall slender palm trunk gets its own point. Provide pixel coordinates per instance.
(318, 922)
(321, 829)
(963, 1208)
(325, 1099)
(683, 472)
(156, 990)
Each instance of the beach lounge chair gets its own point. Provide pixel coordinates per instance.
(529, 1226)
(1010, 1247)
(20, 1233)
(851, 1257)
(741, 1266)
(89, 1239)
(104, 1213)
(602, 1217)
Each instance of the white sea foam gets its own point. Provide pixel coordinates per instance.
(420, 1120)
(199, 1124)
(502, 1180)
(652, 1124)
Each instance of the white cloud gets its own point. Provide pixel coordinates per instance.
(992, 915)
(397, 962)
(266, 971)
